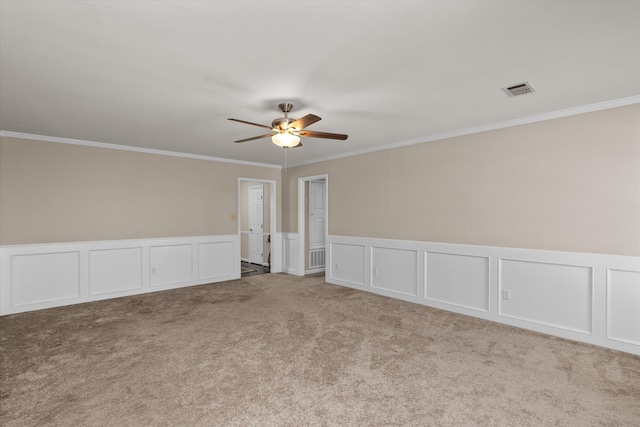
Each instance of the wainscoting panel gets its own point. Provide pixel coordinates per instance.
(550, 294)
(459, 280)
(34, 277)
(395, 270)
(170, 264)
(41, 278)
(349, 265)
(290, 253)
(623, 306)
(216, 260)
(115, 270)
(592, 298)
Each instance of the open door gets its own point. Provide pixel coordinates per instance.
(317, 228)
(313, 192)
(256, 224)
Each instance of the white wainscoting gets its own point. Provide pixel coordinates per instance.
(34, 277)
(395, 269)
(42, 278)
(557, 295)
(350, 263)
(462, 280)
(592, 298)
(623, 306)
(171, 264)
(290, 262)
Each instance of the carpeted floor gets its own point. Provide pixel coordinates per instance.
(279, 350)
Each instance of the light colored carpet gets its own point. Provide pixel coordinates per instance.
(279, 350)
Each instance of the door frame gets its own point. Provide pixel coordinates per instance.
(276, 248)
(301, 217)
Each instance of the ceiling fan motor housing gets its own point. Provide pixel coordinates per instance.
(282, 123)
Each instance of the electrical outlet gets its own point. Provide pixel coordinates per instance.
(506, 295)
(153, 271)
(337, 265)
(375, 271)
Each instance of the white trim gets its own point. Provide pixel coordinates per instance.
(302, 217)
(609, 333)
(39, 276)
(482, 128)
(276, 252)
(564, 294)
(276, 248)
(621, 102)
(95, 144)
(289, 253)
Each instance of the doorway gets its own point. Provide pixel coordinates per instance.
(256, 224)
(313, 228)
(259, 249)
(316, 218)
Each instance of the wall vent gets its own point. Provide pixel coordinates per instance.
(519, 89)
(316, 258)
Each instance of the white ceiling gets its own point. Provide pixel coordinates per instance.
(166, 75)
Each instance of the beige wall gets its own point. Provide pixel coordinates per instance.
(52, 192)
(569, 184)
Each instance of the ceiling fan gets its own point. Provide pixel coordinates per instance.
(286, 132)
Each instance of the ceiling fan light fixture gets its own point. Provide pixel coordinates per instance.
(285, 140)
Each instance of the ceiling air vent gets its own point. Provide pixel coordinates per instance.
(519, 89)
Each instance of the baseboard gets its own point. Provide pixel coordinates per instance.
(42, 276)
(592, 298)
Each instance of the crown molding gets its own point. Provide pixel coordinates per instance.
(95, 144)
(483, 128)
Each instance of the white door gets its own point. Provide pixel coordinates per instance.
(256, 225)
(317, 214)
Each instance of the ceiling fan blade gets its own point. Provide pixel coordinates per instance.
(326, 135)
(256, 137)
(305, 121)
(249, 123)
